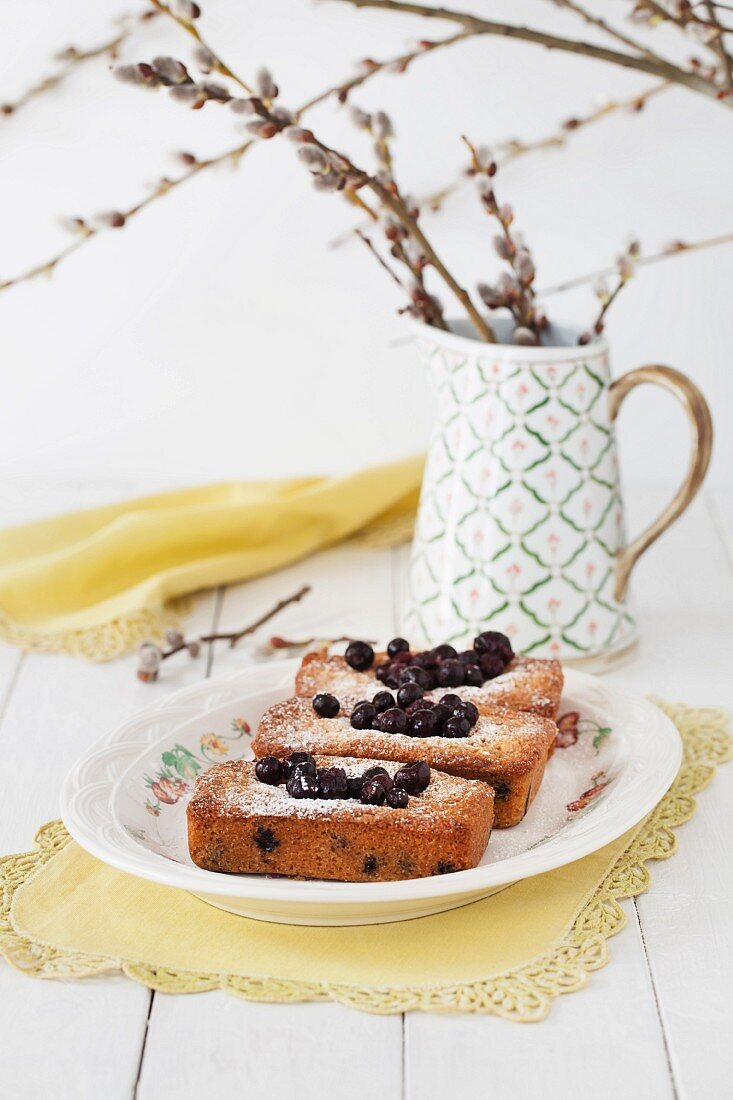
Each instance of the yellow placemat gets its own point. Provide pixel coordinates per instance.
(66, 915)
(94, 583)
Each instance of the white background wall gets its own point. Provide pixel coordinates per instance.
(217, 336)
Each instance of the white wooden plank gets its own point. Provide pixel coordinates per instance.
(10, 662)
(212, 1044)
(687, 916)
(234, 1048)
(604, 1041)
(76, 1039)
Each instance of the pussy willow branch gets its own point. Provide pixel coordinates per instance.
(88, 232)
(71, 58)
(190, 28)
(516, 149)
(664, 69)
(677, 248)
(151, 655)
(397, 207)
(512, 149)
(718, 45)
(594, 20)
(234, 154)
(396, 64)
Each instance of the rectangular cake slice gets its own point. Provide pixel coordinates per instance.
(506, 749)
(527, 684)
(237, 823)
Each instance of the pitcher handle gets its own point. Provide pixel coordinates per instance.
(698, 413)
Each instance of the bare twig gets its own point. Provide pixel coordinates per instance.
(718, 45)
(70, 58)
(236, 636)
(151, 656)
(512, 149)
(86, 232)
(397, 64)
(676, 248)
(380, 260)
(662, 68)
(594, 20)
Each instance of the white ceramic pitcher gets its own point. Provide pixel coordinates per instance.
(521, 522)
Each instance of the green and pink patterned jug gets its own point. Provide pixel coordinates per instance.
(521, 522)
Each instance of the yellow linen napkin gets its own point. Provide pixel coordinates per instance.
(98, 581)
(66, 915)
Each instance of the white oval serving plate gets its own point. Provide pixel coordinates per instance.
(125, 800)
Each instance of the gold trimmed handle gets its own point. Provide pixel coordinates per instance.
(698, 413)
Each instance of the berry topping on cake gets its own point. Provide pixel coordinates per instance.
(359, 655)
(469, 711)
(302, 785)
(409, 693)
(363, 715)
(393, 720)
(383, 700)
(491, 641)
(451, 673)
(354, 784)
(303, 779)
(474, 676)
(491, 665)
(332, 783)
(441, 666)
(413, 674)
(413, 778)
(269, 770)
(326, 705)
(450, 700)
(373, 793)
(456, 727)
(422, 723)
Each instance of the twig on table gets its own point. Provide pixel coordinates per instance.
(151, 655)
(236, 636)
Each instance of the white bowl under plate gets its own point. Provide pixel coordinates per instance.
(125, 800)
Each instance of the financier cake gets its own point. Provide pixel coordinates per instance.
(326, 817)
(506, 749)
(489, 674)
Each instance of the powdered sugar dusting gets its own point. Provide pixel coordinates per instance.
(232, 789)
(500, 737)
(528, 684)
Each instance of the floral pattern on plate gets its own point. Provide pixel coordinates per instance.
(179, 766)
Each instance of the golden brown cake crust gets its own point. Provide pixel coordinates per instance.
(528, 684)
(237, 824)
(507, 749)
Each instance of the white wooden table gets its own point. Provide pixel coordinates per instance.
(652, 1024)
